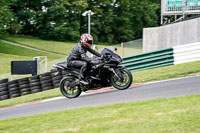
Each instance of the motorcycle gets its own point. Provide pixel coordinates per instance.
(107, 73)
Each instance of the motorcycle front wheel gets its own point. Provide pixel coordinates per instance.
(69, 92)
(122, 84)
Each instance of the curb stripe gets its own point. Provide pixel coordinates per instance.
(20, 105)
(52, 99)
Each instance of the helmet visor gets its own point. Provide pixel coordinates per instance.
(90, 42)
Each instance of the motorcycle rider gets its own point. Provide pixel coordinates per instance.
(78, 58)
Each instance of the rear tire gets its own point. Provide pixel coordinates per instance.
(122, 85)
(67, 91)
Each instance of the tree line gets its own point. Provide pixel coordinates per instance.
(114, 20)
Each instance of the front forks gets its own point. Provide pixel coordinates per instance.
(117, 73)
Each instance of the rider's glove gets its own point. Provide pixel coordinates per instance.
(102, 57)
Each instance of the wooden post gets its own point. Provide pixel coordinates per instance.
(122, 49)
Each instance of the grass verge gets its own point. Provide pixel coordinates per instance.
(51, 46)
(10, 53)
(134, 47)
(168, 72)
(161, 115)
(163, 73)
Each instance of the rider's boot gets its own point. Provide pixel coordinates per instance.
(82, 80)
(82, 77)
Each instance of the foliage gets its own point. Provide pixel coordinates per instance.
(8, 21)
(114, 20)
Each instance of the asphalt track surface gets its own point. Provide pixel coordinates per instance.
(155, 90)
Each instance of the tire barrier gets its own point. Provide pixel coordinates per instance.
(4, 94)
(24, 86)
(46, 81)
(56, 78)
(29, 85)
(13, 89)
(35, 85)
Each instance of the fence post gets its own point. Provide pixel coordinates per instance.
(122, 49)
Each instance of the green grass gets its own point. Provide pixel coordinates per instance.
(131, 48)
(176, 115)
(20, 51)
(51, 46)
(10, 53)
(168, 72)
(5, 61)
(163, 73)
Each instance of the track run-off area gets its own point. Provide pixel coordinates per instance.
(137, 92)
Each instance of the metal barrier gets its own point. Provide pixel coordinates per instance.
(149, 60)
(170, 56)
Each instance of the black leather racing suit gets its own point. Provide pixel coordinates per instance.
(79, 60)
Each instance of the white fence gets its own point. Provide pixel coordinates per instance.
(186, 53)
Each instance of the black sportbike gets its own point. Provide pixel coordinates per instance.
(104, 74)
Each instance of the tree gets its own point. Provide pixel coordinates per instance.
(102, 20)
(145, 15)
(27, 13)
(123, 26)
(8, 22)
(114, 20)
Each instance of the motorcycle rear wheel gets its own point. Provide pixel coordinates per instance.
(122, 85)
(67, 91)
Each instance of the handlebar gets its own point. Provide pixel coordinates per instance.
(106, 57)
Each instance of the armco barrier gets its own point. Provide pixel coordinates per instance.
(170, 56)
(149, 60)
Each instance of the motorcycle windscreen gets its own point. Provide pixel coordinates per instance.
(106, 50)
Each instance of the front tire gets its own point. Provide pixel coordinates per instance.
(68, 91)
(119, 84)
